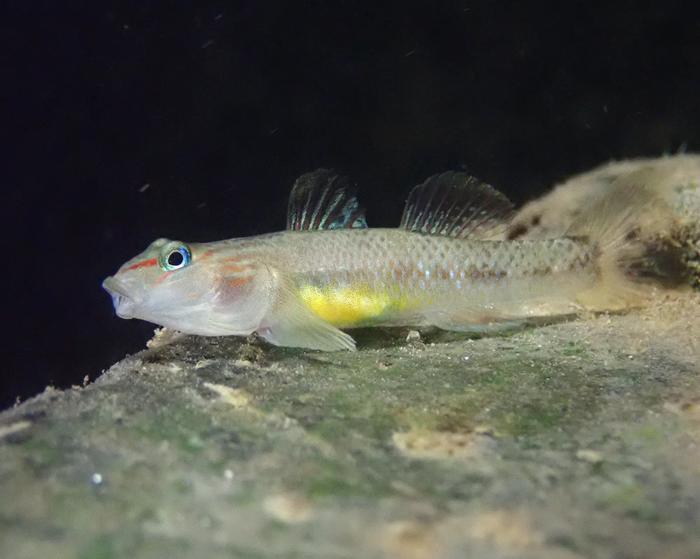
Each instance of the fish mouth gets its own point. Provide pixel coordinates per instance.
(123, 303)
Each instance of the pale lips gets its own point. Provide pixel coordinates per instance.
(123, 303)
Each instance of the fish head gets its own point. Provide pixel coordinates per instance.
(158, 284)
(186, 287)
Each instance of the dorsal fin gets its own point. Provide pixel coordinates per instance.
(323, 199)
(455, 204)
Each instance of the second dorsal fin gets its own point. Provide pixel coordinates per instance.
(455, 204)
(323, 199)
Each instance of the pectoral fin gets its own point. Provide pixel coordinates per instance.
(290, 323)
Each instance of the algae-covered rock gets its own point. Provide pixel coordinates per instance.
(576, 439)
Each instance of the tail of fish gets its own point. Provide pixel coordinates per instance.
(631, 265)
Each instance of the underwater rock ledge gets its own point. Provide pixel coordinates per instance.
(576, 439)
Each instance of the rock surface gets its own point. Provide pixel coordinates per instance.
(575, 439)
(674, 179)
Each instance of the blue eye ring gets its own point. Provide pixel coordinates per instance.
(175, 257)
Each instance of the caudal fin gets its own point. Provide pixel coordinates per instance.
(627, 226)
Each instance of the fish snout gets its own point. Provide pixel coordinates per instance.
(123, 303)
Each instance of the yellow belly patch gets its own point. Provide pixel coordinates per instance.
(345, 306)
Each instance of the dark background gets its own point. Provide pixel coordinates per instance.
(218, 106)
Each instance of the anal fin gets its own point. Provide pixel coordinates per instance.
(469, 320)
(527, 303)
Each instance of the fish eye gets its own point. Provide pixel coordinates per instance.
(175, 257)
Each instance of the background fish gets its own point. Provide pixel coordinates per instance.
(440, 267)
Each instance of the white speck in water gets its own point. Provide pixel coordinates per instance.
(228, 474)
(96, 478)
(465, 358)
(145, 187)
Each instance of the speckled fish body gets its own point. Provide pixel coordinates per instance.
(329, 271)
(370, 277)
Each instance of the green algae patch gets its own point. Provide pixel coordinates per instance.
(632, 499)
(102, 547)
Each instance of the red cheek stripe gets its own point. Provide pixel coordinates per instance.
(143, 264)
(162, 277)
